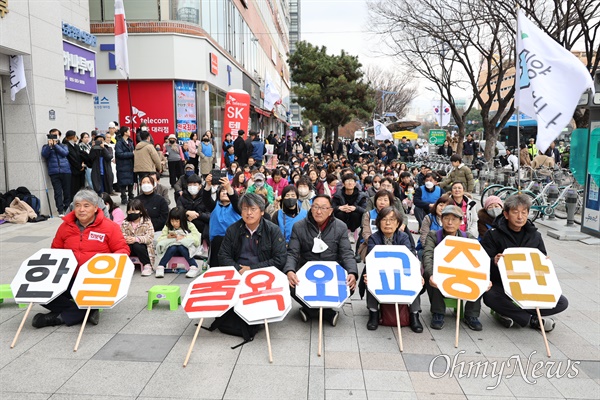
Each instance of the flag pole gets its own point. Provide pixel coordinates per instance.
(517, 100)
(130, 107)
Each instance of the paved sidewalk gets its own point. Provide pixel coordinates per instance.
(138, 354)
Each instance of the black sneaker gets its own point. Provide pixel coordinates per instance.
(473, 323)
(437, 321)
(504, 321)
(42, 320)
(94, 317)
(547, 322)
(303, 315)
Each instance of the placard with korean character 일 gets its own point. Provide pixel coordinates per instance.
(461, 268)
(264, 297)
(529, 278)
(394, 274)
(322, 284)
(44, 276)
(103, 281)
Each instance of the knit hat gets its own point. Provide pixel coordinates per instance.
(492, 200)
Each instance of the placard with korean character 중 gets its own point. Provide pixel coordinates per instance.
(529, 278)
(393, 274)
(212, 293)
(44, 276)
(264, 295)
(103, 281)
(461, 268)
(322, 284)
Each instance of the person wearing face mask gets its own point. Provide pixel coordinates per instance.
(138, 232)
(207, 156)
(223, 213)
(492, 209)
(305, 194)
(159, 188)
(259, 183)
(290, 211)
(175, 158)
(191, 201)
(156, 206)
(182, 182)
(319, 237)
(425, 196)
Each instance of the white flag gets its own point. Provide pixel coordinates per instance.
(271, 94)
(381, 131)
(551, 81)
(121, 54)
(441, 110)
(17, 75)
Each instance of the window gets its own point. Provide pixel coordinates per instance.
(135, 10)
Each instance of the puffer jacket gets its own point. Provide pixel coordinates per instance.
(271, 245)
(101, 236)
(124, 161)
(335, 236)
(463, 174)
(360, 203)
(144, 232)
(145, 158)
(57, 158)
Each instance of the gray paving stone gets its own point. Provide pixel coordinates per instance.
(590, 368)
(397, 381)
(24, 396)
(85, 396)
(440, 396)
(111, 322)
(343, 394)
(60, 345)
(210, 348)
(268, 382)
(143, 348)
(382, 361)
(478, 386)
(27, 374)
(541, 388)
(257, 353)
(194, 381)
(344, 379)
(386, 395)
(340, 359)
(344, 344)
(25, 239)
(423, 362)
(379, 345)
(577, 388)
(316, 383)
(423, 382)
(158, 322)
(110, 378)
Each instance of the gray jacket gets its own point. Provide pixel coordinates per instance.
(335, 236)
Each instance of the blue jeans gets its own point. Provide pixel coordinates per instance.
(177, 251)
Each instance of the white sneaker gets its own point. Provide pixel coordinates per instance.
(160, 272)
(193, 272)
(147, 270)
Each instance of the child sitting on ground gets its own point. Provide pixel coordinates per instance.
(178, 239)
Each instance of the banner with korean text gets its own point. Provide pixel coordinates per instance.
(185, 107)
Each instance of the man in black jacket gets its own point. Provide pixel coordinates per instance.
(76, 159)
(514, 230)
(253, 242)
(320, 222)
(240, 150)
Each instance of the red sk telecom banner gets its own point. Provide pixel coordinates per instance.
(237, 115)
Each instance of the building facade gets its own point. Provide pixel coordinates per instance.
(295, 30)
(59, 61)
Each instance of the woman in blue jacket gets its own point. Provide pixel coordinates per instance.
(291, 211)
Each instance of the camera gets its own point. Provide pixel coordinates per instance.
(217, 175)
(52, 136)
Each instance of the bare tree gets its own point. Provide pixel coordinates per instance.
(397, 89)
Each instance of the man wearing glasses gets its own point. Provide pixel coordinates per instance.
(252, 242)
(319, 237)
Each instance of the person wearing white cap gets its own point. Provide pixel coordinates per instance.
(174, 159)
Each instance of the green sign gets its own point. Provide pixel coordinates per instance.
(437, 136)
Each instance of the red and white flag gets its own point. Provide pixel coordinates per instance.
(121, 55)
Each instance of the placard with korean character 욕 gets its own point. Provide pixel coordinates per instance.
(103, 281)
(529, 278)
(322, 284)
(393, 274)
(461, 268)
(264, 295)
(44, 276)
(212, 293)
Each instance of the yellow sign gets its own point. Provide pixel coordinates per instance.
(409, 135)
(3, 8)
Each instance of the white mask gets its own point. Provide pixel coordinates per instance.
(303, 191)
(494, 212)
(429, 185)
(147, 187)
(193, 190)
(376, 185)
(319, 245)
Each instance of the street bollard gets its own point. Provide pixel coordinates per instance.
(571, 204)
(551, 196)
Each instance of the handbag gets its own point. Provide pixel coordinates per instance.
(387, 315)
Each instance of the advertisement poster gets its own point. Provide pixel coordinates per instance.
(152, 103)
(106, 108)
(185, 106)
(237, 113)
(80, 68)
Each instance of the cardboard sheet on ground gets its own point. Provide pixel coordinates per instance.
(103, 281)
(322, 284)
(212, 293)
(44, 276)
(393, 274)
(264, 296)
(529, 278)
(461, 268)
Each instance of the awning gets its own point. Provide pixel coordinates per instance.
(262, 112)
(409, 135)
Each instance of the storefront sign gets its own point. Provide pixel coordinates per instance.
(78, 34)
(214, 63)
(106, 107)
(152, 103)
(80, 68)
(237, 112)
(185, 105)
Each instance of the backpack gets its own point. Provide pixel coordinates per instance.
(33, 202)
(232, 324)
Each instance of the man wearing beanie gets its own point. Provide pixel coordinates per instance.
(492, 208)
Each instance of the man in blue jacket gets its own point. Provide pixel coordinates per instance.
(258, 148)
(59, 169)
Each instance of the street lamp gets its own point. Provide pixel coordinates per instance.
(383, 94)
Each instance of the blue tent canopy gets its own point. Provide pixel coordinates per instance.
(525, 121)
